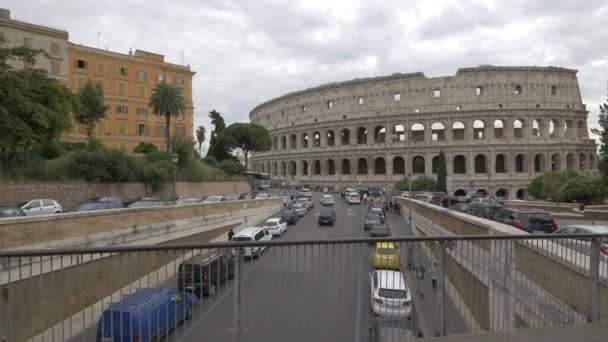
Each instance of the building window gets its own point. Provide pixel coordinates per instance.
(179, 81)
(330, 104)
(417, 110)
(142, 111)
(141, 91)
(80, 81)
(458, 107)
(55, 50)
(180, 116)
(161, 115)
(553, 90)
(2, 38)
(500, 106)
(122, 71)
(55, 67)
(304, 109)
(141, 129)
(282, 113)
(141, 75)
(102, 83)
(360, 100)
(161, 131)
(180, 131)
(122, 109)
(81, 64)
(397, 97)
(517, 89)
(101, 68)
(122, 89)
(122, 128)
(160, 77)
(478, 91)
(436, 93)
(101, 127)
(27, 42)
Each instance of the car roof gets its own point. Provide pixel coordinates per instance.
(385, 244)
(249, 231)
(274, 219)
(325, 211)
(593, 228)
(391, 279)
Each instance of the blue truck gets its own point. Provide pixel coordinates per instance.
(145, 314)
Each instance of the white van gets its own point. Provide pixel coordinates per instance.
(253, 234)
(353, 198)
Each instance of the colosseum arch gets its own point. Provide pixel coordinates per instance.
(292, 168)
(399, 132)
(417, 132)
(293, 142)
(460, 192)
(316, 139)
(520, 194)
(570, 161)
(504, 193)
(379, 166)
(580, 130)
(379, 134)
(500, 164)
(569, 129)
(331, 138)
(283, 169)
(536, 128)
(268, 167)
(331, 167)
(553, 127)
(592, 165)
(345, 167)
(435, 165)
(518, 128)
(480, 164)
(556, 162)
(499, 129)
(362, 166)
(283, 142)
(345, 137)
(304, 169)
(263, 168)
(458, 130)
(316, 167)
(459, 166)
(479, 129)
(275, 169)
(582, 162)
(418, 165)
(520, 163)
(275, 143)
(398, 166)
(539, 162)
(305, 139)
(437, 131)
(361, 135)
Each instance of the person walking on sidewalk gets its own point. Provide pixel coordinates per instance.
(230, 234)
(434, 272)
(420, 276)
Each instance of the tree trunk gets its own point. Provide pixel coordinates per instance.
(89, 130)
(200, 153)
(246, 153)
(168, 130)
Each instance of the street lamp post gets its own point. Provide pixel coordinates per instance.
(174, 159)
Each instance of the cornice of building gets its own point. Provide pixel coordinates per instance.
(29, 27)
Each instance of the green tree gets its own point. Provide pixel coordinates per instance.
(424, 183)
(90, 106)
(247, 137)
(442, 173)
(184, 148)
(584, 189)
(602, 132)
(218, 151)
(402, 185)
(200, 137)
(536, 189)
(232, 167)
(145, 148)
(167, 100)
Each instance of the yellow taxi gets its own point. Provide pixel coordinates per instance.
(386, 256)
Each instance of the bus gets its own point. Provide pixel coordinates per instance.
(258, 180)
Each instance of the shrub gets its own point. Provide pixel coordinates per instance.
(232, 167)
(145, 148)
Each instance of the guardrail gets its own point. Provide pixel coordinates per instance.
(378, 289)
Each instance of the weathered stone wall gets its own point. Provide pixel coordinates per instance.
(71, 193)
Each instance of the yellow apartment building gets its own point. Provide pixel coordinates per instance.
(128, 81)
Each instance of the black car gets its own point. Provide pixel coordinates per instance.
(461, 207)
(327, 217)
(204, 273)
(483, 210)
(100, 203)
(379, 230)
(290, 216)
(6, 211)
(531, 221)
(371, 220)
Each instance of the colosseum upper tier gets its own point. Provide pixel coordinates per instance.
(498, 126)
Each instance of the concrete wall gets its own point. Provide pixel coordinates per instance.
(71, 193)
(504, 285)
(37, 294)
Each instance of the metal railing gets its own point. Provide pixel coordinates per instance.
(376, 289)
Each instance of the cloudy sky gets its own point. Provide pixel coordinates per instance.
(249, 51)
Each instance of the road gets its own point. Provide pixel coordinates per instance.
(305, 293)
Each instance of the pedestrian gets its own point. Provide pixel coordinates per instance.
(420, 277)
(364, 197)
(582, 207)
(434, 272)
(230, 234)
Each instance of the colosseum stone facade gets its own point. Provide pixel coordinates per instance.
(498, 126)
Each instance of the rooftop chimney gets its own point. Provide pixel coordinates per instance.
(4, 13)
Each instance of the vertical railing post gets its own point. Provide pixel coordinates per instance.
(594, 268)
(236, 312)
(440, 292)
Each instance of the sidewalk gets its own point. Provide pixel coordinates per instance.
(426, 304)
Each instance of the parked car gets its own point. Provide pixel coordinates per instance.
(379, 230)
(204, 273)
(377, 211)
(486, 200)
(276, 226)
(483, 210)
(40, 207)
(584, 245)
(186, 200)
(290, 216)
(308, 200)
(147, 314)
(147, 202)
(390, 296)
(6, 211)
(353, 198)
(100, 203)
(371, 220)
(461, 207)
(327, 200)
(262, 195)
(300, 209)
(386, 256)
(215, 199)
(425, 197)
(327, 216)
(253, 234)
(531, 221)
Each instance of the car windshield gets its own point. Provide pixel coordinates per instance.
(385, 251)
(391, 293)
(372, 218)
(270, 224)
(7, 212)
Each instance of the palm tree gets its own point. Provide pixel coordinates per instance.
(200, 136)
(168, 100)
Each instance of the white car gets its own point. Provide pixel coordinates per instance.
(390, 296)
(262, 196)
(40, 207)
(253, 234)
(215, 199)
(276, 226)
(327, 200)
(353, 198)
(300, 209)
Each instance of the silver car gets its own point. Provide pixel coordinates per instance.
(40, 207)
(583, 245)
(299, 209)
(390, 296)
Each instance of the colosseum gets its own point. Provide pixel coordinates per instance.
(498, 126)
